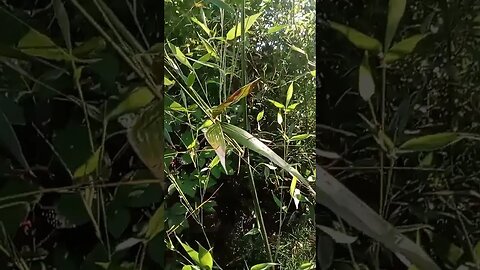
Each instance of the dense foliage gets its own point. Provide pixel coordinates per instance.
(397, 123)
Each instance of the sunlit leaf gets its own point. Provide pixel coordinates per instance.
(205, 258)
(216, 139)
(246, 139)
(276, 104)
(289, 95)
(276, 28)
(293, 186)
(366, 84)
(234, 98)
(249, 21)
(295, 48)
(202, 25)
(89, 166)
(263, 266)
(37, 44)
(300, 137)
(431, 142)
(402, 48)
(358, 39)
(396, 8)
(260, 115)
(138, 98)
(279, 118)
(190, 251)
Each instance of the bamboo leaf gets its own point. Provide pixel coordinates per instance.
(249, 21)
(263, 266)
(334, 195)
(431, 142)
(216, 139)
(289, 94)
(260, 115)
(234, 98)
(366, 84)
(138, 98)
(277, 104)
(63, 21)
(146, 138)
(279, 118)
(156, 224)
(190, 251)
(358, 39)
(396, 8)
(300, 137)
(403, 48)
(338, 237)
(276, 28)
(37, 44)
(246, 139)
(89, 166)
(202, 25)
(205, 258)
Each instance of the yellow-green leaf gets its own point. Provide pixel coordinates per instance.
(293, 186)
(234, 98)
(279, 118)
(396, 8)
(402, 48)
(263, 266)
(190, 251)
(260, 115)
(276, 104)
(205, 258)
(138, 98)
(37, 44)
(89, 166)
(249, 21)
(276, 28)
(202, 60)
(358, 39)
(216, 139)
(156, 224)
(300, 137)
(202, 25)
(431, 142)
(289, 94)
(366, 84)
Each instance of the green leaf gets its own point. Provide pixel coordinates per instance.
(292, 106)
(366, 84)
(431, 142)
(276, 104)
(205, 258)
(216, 139)
(293, 186)
(190, 251)
(295, 48)
(358, 39)
(37, 44)
(260, 115)
(276, 28)
(202, 61)
(396, 8)
(146, 138)
(179, 55)
(335, 196)
(221, 4)
(263, 266)
(234, 98)
(9, 140)
(137, 99)
(402, 48)
(190, 79)
(300, 137)
(89, 166)
(249, 21)
(338, 237)
(202, 25)
(156, 224)
(246, 139)
(289, 95)
(279, 118)
(63, 21)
